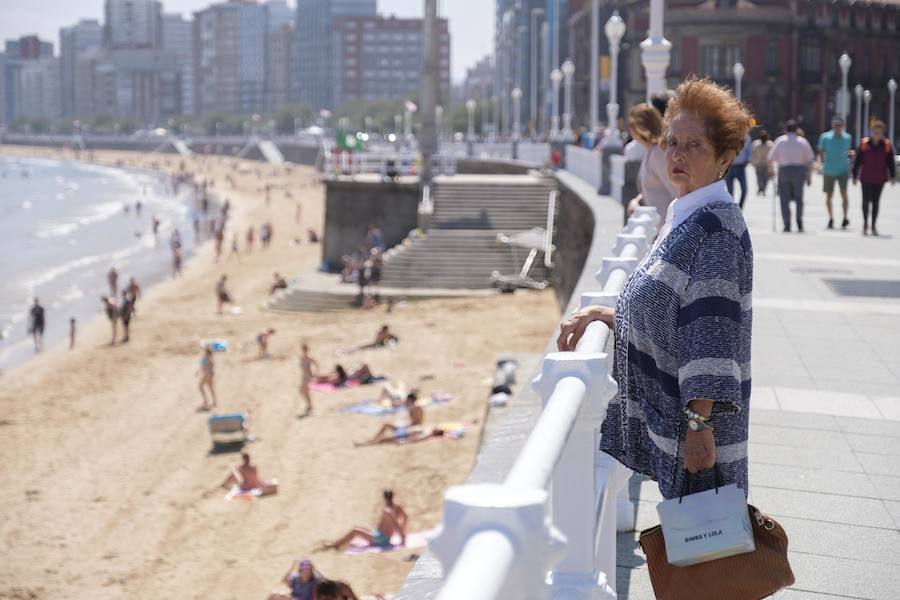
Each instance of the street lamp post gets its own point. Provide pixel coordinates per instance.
(867, 97)
(484, 115)
(892, 90)
(738, 71)
(439, 121)
(555, 78)
(517, 113)
(533, 80)
(407, 124)
(568, 69)
(615, 31)
(470, 107)
(655, 51)
(844, 62)
(495, 114)
(858, 92)
(595, 66)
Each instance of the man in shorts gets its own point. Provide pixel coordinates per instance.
(834, 150)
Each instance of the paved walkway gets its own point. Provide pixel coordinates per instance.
(825, 417)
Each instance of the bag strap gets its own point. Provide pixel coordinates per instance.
(686, 487)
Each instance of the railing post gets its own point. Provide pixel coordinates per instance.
(638, 240)
(574, 488)
(611, 264)
(522, 536)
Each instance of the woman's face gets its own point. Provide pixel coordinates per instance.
(877, 134)
(691, 160)
(305, 574)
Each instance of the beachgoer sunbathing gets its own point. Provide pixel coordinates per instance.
(383, 337)
(245, 476)
(308, 366)
(279, 283)
(393, 433)
(392, 520)
(262, 342)
(303, 580)
(207, 374)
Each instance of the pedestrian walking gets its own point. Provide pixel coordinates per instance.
(112, 313)
(872, 168)
(71, 332)
(235, 248)
(738, 171)
(759, 157)
(834, 150)
(222, 296)
(794, 157)
(36, 323)
(248, 240)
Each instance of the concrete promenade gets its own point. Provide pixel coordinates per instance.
(825, 410)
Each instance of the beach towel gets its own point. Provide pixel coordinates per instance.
(236, 493)
(374, 408)
(414, 540)
(351, 383)
(452, 430)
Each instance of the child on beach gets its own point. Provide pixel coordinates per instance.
(262, 342)
(222, 296)
(71, 333)
(235, 250)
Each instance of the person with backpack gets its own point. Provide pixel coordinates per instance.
(872, 168)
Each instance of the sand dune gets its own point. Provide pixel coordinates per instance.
(106, 471)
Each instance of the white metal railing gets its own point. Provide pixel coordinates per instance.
(497, 540)
(586, 164)
(347, 163)
(533, 152)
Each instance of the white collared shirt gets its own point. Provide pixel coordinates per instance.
(682, 208)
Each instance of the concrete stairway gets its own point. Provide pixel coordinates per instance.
(460, 249)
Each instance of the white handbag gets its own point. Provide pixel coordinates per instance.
(707, 525)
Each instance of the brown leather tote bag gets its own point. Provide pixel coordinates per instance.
(750, 576)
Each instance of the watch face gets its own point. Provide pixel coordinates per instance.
(694, 425)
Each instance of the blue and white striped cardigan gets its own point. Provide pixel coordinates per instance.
(682, 330)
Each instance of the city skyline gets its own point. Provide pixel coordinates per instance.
(45, 18)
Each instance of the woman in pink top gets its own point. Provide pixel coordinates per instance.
(646, 126)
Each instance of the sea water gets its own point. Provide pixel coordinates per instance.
(63, 224)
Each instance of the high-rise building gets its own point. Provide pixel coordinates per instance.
(280, 57)
(5, 114)
(178, 37)
(517, 48)
(28, 47)
(75, 41)
(140, 84)
(132, 24)
(378, 58)
(38, 93)
(315, 52)
(278, 13)
(229, 58)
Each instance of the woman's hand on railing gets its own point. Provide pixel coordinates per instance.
(573, 328)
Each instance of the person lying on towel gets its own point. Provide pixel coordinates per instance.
(412, 432)
(246, 478)
(339, 377)
(392, 520)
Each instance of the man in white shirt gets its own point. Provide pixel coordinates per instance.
(795, 158)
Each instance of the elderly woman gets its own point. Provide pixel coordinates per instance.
(645, 124)
(682, 322)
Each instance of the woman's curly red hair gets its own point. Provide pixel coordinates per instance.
(727, 119)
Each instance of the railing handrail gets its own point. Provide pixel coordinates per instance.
(566, 382)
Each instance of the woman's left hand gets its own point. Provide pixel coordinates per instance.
(699, 450)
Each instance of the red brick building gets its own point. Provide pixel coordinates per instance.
(789, 48)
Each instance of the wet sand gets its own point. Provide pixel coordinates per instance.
(107, 471)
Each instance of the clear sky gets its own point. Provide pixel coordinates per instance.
(471, 21)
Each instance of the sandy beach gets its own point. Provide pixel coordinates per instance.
(106, 484)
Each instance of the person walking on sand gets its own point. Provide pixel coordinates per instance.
(71, 333)
(222, 296)
(36, 324)
(113, 279)
(248, 240)
(391, 520)
(176, 263)
(308, 368)
(134, 292)
(220, 237)
(235, 249)
(112, 313)
(207, 374)
(126, 311)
